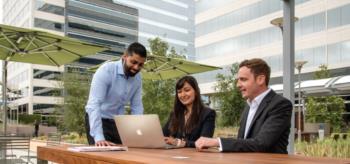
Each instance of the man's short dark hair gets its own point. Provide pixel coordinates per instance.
(257, 67)
(137, 48)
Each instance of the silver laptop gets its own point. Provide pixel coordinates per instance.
(141, 131)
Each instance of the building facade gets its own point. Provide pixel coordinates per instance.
(98, 22)
(229, 31)
(104, 23)
(170, 20)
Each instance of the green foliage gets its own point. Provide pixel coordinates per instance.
(326, 109)
(74, 138)
(226, 132)
(322, 73)
(158, 95)
(325, 148)
(28, 119)
(52, 121)
(229, 98)
(76, 89)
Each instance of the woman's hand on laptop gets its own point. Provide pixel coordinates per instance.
(175, 141)
(170, 140)
(104, 143)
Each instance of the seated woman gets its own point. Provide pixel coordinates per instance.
(190, 119)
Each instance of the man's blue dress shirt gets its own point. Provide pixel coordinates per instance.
(110, 91)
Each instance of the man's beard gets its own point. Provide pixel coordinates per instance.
(127, 70)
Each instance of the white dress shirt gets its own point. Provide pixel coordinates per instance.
(253, 107)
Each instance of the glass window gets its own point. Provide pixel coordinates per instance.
(46, 91)
(345, 15)
(204, 5)
(43, 106)
(46, 24)
(275, 62)
(319, 22)
(334, 18)
(334, 54)
(47, 75)
(319, 56)
(345, 51)
(101, 17)
(42, 6)
(306, 25)
(308, 55)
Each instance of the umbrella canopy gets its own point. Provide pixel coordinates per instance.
(38, 47)
(162, 68)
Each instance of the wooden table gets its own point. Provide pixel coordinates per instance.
(60, 154)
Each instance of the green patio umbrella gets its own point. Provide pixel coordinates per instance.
(38, 47)
(162, 68)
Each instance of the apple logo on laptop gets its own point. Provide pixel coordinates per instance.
(139, 132)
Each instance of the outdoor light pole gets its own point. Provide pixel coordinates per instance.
(299, 65)
(278, 22)
(4, 96)
(286, 24)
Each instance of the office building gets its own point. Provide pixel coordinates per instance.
(98, 22)
(170, 20)
(229, 31)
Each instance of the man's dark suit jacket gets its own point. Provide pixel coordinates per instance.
(205, 128)
(269, 130)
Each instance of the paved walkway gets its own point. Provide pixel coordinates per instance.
(32, 153)
(33, 149)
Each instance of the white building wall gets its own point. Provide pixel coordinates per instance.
(21, 13)
(170, 20)
(327, 36)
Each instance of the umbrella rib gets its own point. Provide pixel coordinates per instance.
(50, 59)
(71, 52)
(38, 52)
(160, 67)
(10, 49)
(154, 63)
(9, 35)
(46, 55)
(8, 40)
(30, 42)
(76, 54)
(176, 67)
(41, 48)
(69, 40)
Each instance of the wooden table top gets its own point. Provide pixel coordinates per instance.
(60, 154)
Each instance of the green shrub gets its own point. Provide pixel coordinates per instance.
(28, 119)
(74, 138)
(325, 148)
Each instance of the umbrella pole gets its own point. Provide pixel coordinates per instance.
(4, 93)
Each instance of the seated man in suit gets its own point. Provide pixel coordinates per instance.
(265, 121)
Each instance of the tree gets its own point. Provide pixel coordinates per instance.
(76, 91)
(158, 95)
(229, 98)
(326, 109)
(322, 73)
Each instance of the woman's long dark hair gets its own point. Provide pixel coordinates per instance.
(177, 120)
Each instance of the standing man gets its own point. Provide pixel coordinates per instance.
(36, 128)
(265, 121)
(114, 85)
